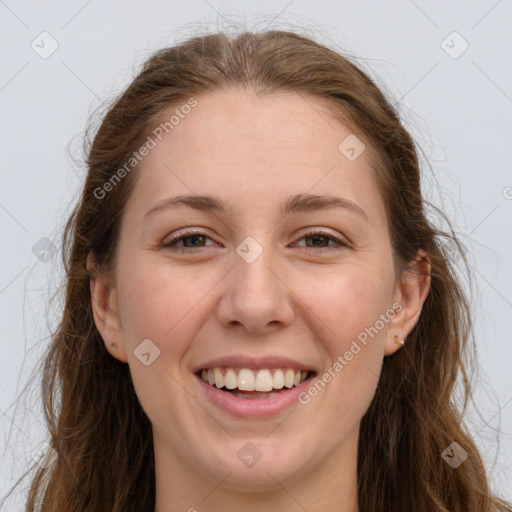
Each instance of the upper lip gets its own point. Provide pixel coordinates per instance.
(253, 363)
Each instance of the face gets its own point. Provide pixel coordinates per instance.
(277, 289)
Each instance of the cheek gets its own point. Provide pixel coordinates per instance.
(349, 310)
(157, 305)
(149, 306)
(152, 297)
(349, 303)
(166, 304)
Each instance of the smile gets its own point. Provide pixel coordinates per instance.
(247, 383)
(253, 393)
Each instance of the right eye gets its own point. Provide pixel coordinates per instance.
(193, 236)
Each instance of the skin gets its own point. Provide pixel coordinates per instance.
(300, 298)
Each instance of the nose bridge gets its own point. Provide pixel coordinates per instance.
(252, 269)
(253, 280)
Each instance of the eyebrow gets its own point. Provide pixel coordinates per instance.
(299, 203)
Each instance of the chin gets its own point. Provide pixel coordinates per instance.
(256, 465)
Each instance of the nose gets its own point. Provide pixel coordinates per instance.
(256, 297)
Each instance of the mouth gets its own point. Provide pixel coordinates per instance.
(247, 383)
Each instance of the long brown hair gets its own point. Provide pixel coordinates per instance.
(102, 436)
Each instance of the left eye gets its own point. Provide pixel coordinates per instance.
(196, 239)
(315, 236)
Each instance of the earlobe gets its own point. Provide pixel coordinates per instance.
(412, 292)
(105, 311)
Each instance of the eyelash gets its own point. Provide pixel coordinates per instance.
(171, 245)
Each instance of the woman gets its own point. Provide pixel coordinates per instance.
(258, 314)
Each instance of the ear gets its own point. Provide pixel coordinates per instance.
(411, 292)
(105, 310)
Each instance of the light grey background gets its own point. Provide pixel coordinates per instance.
(457, 106)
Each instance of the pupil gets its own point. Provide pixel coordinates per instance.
(194, 237)
(316, 237)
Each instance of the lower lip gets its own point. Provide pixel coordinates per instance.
(253, 407)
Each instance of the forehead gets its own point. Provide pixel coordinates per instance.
(242, 120)
(241, 145)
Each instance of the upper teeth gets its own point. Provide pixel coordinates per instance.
(249, 380)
